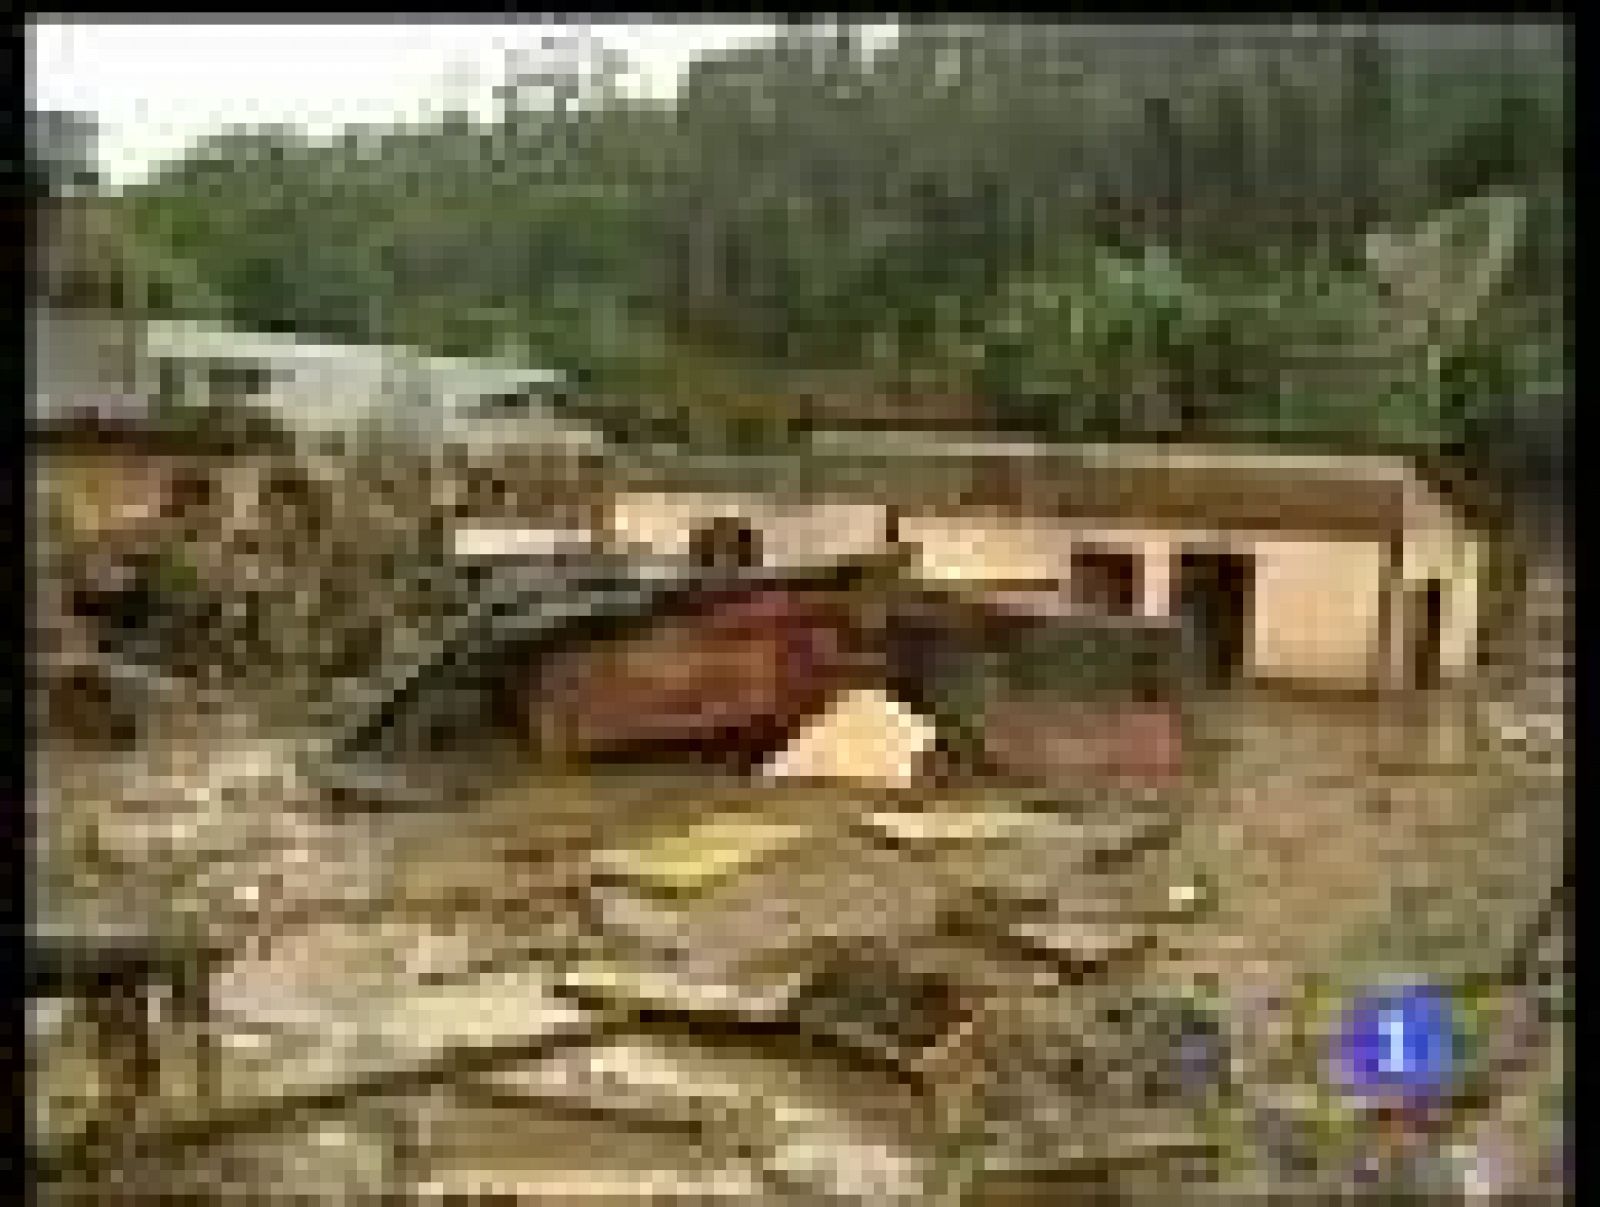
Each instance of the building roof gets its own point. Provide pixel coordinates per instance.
(62, 149)
(394, 387)
(1334, 496)
(194, 339)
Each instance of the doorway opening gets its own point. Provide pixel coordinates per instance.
(1215, 605)
(1105, 581)
(726, 543)
(1426, 630)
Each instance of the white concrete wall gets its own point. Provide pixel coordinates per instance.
(476, 542)
(73, 357)
(1317, 611)
(329, 398)
(1443, 552)
(1317, 603)
(987, 551)
(1458, 647)
(792, 535)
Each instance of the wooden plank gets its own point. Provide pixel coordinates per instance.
(703, 856)
(533, 1154)
(743, 1090)
(374, 1047)
(638, 985)
(1082, 941)
(482, 541)
(560, 1187)
(951, 829)
(834, 890)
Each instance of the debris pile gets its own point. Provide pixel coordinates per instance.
(902, 944)
(840, 672)
(865, 735)
(269, 578)
(836, 977)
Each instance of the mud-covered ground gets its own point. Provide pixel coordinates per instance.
(1308, 818)
(1337, 841)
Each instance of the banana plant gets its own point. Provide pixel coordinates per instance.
(1303, 348)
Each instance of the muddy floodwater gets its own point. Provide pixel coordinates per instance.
(1309, 820)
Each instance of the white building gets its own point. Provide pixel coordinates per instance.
(1342, 571)
(320, 388)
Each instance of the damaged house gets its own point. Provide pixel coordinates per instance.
(1337, 572)
(1038, 613)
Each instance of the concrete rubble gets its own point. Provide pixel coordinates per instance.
(744, 993)
(852, 949)
(862, 736)
(800, 672)
(879, 948)
(811, 1124)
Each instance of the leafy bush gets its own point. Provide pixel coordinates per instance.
(1068, 351)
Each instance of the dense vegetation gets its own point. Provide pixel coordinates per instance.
(1084, 231)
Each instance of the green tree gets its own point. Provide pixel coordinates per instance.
(801, 205)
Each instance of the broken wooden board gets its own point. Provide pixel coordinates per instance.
(1058, 874)
(411, 1028)
(865, 736)
(828, 891)
(657, 1184)
(1083, 941)
(528, 1155)
(733, 1094)
(633, 1078)
(415, 1036)
(310, 976)
(748, 948)
(823, 1156)
(703, 856)
(1110, 834)
(476, 542)
(636, 985)
(1081, 917)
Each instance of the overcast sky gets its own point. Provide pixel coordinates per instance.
(155, 87)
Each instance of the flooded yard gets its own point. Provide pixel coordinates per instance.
(1309, 823)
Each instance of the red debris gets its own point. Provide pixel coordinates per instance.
(735, 677)
(1132, 743)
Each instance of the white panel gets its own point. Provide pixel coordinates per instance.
(487, 542)
(1317, 610)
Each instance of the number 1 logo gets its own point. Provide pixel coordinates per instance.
(1392, 1025)
(1399, 1040)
